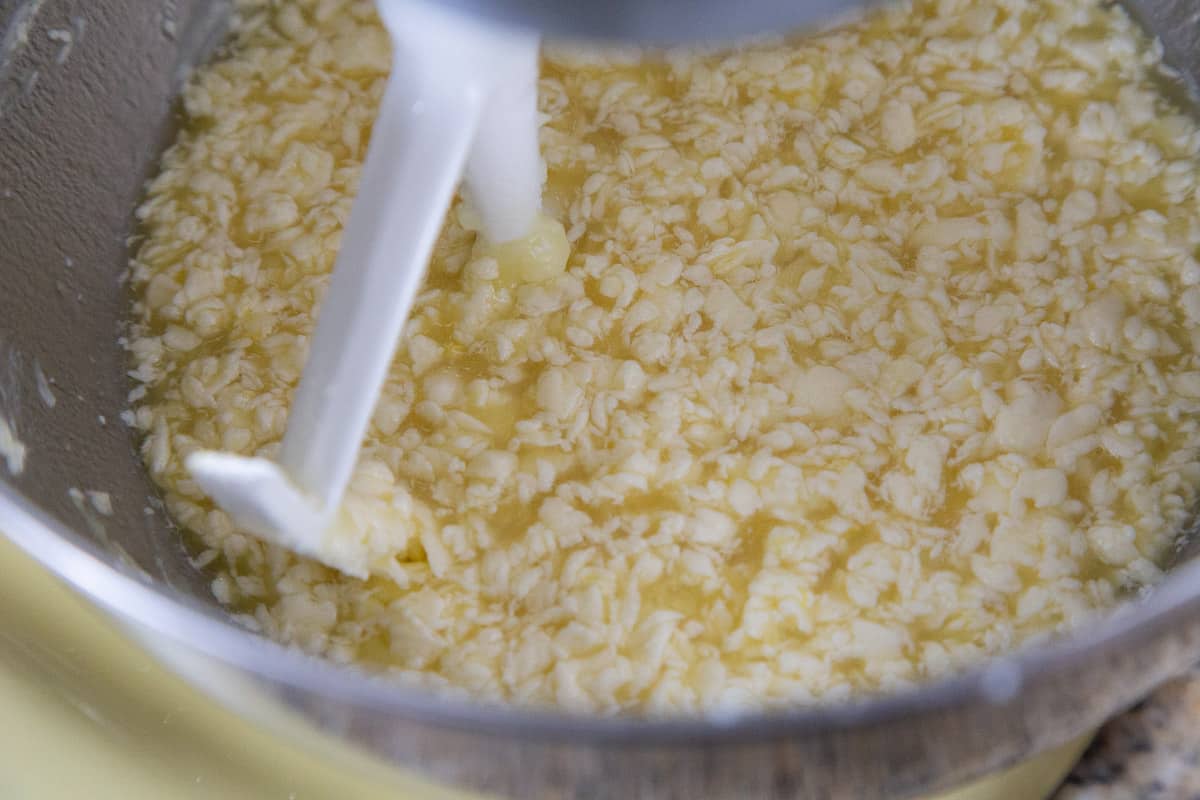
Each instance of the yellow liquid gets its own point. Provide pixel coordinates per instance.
(873, 355)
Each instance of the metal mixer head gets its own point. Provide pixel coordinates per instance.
(659, 21)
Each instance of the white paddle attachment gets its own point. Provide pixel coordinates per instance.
(461, 96)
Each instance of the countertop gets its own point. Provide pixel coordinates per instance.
(1152, 752)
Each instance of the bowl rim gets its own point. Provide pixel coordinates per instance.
(134, 596)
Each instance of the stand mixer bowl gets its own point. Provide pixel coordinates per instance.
(86, 107)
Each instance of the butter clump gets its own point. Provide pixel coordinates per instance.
(538, 256)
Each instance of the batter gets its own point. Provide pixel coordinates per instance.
(875, 354)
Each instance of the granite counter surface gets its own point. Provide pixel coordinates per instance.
(1151, 752)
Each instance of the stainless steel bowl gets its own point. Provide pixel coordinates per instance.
(86, 90)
